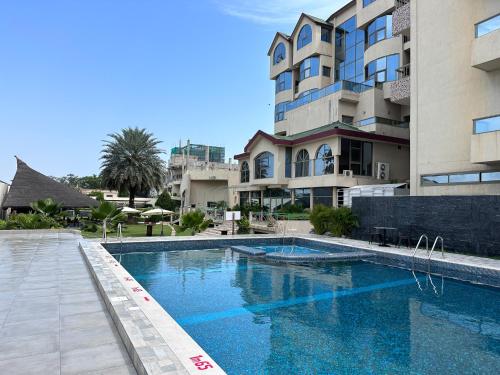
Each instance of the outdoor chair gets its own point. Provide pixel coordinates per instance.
(404, 238)
(375, 235)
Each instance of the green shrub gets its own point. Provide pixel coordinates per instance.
(31, 221)
(193, 220)
(3, 224)
(99, 195)
(205, 225)
(166, 202)
(344, 221)
(339, 221)
(292, 209)
(321, 218)
(90, 227)
(243, 226)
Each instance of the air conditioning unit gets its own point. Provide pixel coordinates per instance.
(383, 171)
(347, 173)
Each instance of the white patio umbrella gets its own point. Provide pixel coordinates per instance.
(158, 211)
(128, 210)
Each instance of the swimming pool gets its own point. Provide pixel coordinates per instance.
(256, 317)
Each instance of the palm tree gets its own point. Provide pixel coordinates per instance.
(46, 207)
(131, 160)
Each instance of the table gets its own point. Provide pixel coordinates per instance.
(384, 234)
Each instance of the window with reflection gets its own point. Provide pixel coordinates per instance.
(302, 165)
(309, 68)
(324, 161)
(367, 2)
(380, 29)
(490, 177)
(279, 53)
(486, 125)
(349, 52)
(303, 197)
(485, 27)
(323, 196)
(383, 69)
(305, 36)
(264, 165)
(461, 178)
(326, 35)
(284, 82)
(356, 156)
(245, 172)
(279, 111)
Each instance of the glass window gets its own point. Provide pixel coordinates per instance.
(488, 26)
(327, 71)
(303, 198)
(244, 195)
(383, 69)
(309, 68)
(279, 53)
(255, 198)
(275, 199)
(486, 125)
(323, 195)
(305, 36)
(264, 166)
(356, 156)
(288, 162)
(245, 172)
(464, 178)
(435, 180)
(283, 82)
(326, 35)
(380, 29)
(349, 52)
(490, 176)
(279, 111)
(367, 2)
(302, 165)
(324, 163)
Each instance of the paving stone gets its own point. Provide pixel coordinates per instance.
(15, 347)
(103, 357)
(42, 364)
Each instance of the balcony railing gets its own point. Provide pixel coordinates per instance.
(403, 71)
(328, 90)
(401, 3)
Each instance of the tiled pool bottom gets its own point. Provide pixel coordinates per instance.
(253, 317)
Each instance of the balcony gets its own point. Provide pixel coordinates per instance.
(350, 87)
(485, 148)
(401, 18)
(400, 89)
(485, 51)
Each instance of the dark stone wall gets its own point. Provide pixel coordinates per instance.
(468, 224)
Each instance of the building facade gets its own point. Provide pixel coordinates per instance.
(371, 96)
(199, 177)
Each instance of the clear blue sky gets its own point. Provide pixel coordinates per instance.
(73, 71)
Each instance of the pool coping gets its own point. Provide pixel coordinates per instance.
(156, 343)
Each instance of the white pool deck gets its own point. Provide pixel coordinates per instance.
(65, 310)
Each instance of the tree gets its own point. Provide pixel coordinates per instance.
(46, 207)
(166, 202)
(131, 160)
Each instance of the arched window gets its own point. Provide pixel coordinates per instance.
(324, 161)
(302, 166)
(264, 165)
(245, 172)
(279, 54)
(305, 36)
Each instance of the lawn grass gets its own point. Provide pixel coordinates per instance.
(131, 230)
(179, 232)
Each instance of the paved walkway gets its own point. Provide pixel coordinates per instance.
(52, 318)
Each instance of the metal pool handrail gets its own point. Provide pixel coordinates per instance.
(416, 248)
(438, 238)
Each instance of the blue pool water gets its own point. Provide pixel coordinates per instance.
(254, 317)
(289, 249)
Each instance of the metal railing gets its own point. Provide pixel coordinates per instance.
(328, 90)
(422, 237)
(440, 239)
(403, 71)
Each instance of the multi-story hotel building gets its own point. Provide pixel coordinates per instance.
(381, 91)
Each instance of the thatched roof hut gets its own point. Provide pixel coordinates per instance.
(29, 186)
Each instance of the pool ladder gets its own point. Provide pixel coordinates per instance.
(429, 253)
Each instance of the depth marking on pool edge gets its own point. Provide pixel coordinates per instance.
(202, 318)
